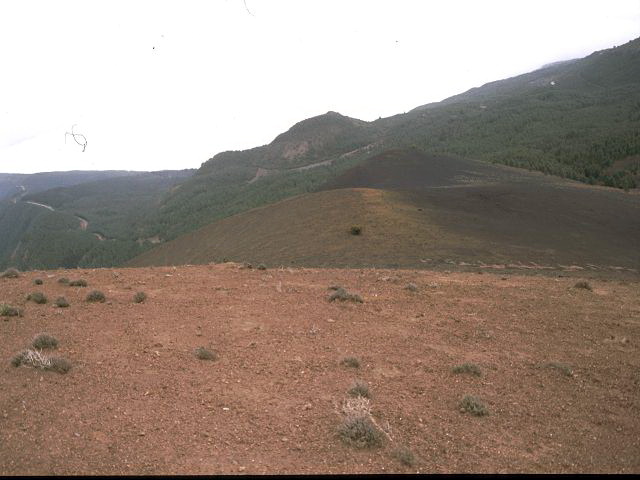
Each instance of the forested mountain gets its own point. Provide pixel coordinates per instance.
(577, 119)
(91, 224)
(17, 184)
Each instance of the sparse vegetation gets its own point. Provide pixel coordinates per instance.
(470, 368)
(59, 365)
(37, 359)
(359, 389)
(357, 428)
(61, 302)
(355, 230)
(37, 297)
(352, 362)
(139, 297)
(404, 456)
(44, 341)
(474, 406)
(561, 367)
(38, 281)
(63, 280)
(412, 287)
(10, 273)
(203, 353)
(95, 296)
(342, 295)
(9, 311)
(78, 283)
(583, 284)
(262, 266)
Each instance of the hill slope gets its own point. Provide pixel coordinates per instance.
(472, 213)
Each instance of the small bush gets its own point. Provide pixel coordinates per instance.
(474, 406)
(471, 368)
(96, 296)
(10, 273)
(37, 297)
(139, 297)
(59, 365)
(404, 456)
(342, 295)
(583, 284)
(352, 362)
(17, 359)
(359, 389)
(262, 266)
(203, 353)
(355, 230)
(61, 302)
(44, 341)
(38, 281)
(360, 432)
(37, 359)
(78, 283)
(561, 367)
(63, 280)
(412, 287)
(9, 311)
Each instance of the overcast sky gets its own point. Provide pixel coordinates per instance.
(166, 85)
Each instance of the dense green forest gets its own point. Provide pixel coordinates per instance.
(115, 209)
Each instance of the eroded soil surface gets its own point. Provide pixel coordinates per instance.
(138, 401)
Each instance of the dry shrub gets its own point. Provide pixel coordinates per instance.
(474, 406)
(96, 296)
(9, 311)
(37, 297)
(352, 362)
(342, 295)
(359, 389)
(61, 302)
(44, 341)
(78, 283)
(203, 353)
(357, 428)
(470, 368)
(10, 273)
(139, 297)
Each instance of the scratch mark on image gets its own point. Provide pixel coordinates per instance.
(83, 140)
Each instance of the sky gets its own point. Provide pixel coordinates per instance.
(156, 85)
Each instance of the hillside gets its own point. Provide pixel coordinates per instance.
(14, 185)
(578, 119)
(89, 224)
(422, 211)
(556, 371)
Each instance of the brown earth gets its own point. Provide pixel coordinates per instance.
(137, 400)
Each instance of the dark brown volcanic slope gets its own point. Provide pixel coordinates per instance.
(137, 401)
(433, 211)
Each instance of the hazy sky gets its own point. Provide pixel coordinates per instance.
(166, 85)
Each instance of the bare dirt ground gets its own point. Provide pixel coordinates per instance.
(138, 401)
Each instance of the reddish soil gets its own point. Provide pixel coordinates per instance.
(137, 400)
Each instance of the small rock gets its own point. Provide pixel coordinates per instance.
(242, 469)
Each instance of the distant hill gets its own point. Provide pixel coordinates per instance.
(90, 224)
(425, 216)
(18, 184)
(577, 119)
